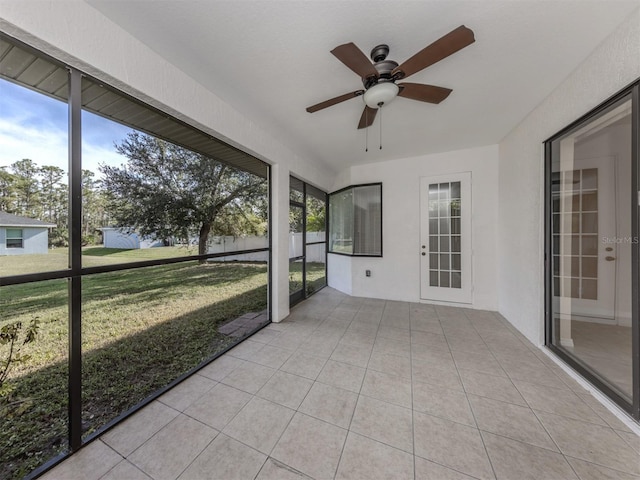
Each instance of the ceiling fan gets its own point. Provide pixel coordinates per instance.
(379, 78)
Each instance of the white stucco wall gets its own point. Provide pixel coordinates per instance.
(396, 275)
(612, 66)
(339, 273)
(79, 35)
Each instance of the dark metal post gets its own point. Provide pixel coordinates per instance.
(270, 288)
(326, 239)
(548, 254)
(304, 239)
(75, 260)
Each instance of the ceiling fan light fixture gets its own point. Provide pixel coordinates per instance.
(380, 93)
(379, 78)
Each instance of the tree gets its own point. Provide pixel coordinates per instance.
(26, 187)
(7, 191)
(42, 193)
(94, 215)
(166, 191)
(54, 203)
(316, 214)
(59, 236)
(49, 184)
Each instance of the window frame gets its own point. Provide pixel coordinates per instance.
(359, 255)
(7, 238)
(307, 190)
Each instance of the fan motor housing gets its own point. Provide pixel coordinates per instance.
(384, 68)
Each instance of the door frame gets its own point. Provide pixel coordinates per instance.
(633, 407)
(299, 295)
(304, 292)
(463, 295)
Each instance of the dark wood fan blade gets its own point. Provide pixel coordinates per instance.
(333, 101)
(367, 118)
(423, 93)
(449, 44)
(353, 58)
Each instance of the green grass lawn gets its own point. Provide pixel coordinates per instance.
(58, 258)
(316, 276)
(141, 329)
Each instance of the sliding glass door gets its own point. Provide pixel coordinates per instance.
(307, 240)
(592, 208)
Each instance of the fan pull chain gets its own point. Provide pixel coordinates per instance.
(366, 130)
(380, 107)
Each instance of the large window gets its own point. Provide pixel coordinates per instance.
(14, 238)
(144, 255)
(355, 221)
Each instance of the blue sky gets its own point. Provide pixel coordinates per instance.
(34, 126)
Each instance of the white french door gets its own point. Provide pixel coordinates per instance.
(586, 204)
(445, 238)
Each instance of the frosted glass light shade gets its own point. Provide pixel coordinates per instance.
(380, 93)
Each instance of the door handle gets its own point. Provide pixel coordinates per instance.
(609, 258)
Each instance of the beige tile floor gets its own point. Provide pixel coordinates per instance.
(355, 388)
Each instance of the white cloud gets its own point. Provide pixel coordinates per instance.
(48, 147)
(43, 147)
(94, 155)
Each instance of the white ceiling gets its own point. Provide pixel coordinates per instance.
(270, 60)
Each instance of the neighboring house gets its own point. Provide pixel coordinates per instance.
(114, 237)
(22, 235)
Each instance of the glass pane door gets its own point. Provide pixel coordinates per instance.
(307, 240)
(591, 245)
(296, 253)
(445, 255)
(315, 240)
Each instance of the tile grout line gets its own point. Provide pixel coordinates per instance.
(530, 409)
(590, 462)
(295, 410)
(413, 420)
(554, 413)
(268, 456)
(117, 453)
(357, 400)
(253, 396)
(354, 408)
(625, 440)
(316, 381)
(453, 421)
(484, 445)
(200, 453)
